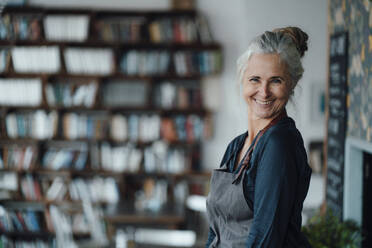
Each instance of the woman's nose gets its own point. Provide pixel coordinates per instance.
(265, 89)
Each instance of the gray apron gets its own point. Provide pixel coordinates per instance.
(228, 212)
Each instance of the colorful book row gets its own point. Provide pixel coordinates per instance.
(133, 127)
(70, 27)
(97, 189)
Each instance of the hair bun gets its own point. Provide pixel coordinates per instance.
(298, 36)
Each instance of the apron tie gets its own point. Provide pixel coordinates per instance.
(247, 159)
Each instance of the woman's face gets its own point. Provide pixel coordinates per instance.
(266, 86)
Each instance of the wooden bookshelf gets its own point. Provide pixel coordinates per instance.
(181, 52)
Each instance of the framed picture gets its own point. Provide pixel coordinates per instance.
(317, 103)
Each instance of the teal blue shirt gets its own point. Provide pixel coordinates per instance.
(275, 186)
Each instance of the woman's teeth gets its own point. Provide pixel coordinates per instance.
(263, 102)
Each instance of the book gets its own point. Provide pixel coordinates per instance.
(20, 92)
(125, 93)
(68, 94)
(89, 60)
(26, 27)
(66, 27)
(124, 29)
(8, 181)
(88, 126)
(136, 62)
(57, 190)
(44, 59)
(204, 32)
(119, 127)
(4, 59)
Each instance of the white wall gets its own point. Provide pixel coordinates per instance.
(234, 24)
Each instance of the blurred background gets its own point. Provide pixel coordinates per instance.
(114, 113)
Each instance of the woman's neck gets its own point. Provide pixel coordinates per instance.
(255, 125)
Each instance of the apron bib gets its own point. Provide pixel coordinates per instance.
(228, 213)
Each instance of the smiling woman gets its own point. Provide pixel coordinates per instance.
(257, 194)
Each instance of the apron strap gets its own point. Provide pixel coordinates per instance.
(247, 159)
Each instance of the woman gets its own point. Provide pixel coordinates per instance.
(257, 194)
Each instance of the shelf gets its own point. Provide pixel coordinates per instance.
(170, 214)
(172, 111)
(139, 144)
(29, 235)
(102, 13)
(155, 77)
(195, 56)
(44, 235)
(89, 173)
(42, 202)
(116, 44)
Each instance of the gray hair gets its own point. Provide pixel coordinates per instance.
(276, 42)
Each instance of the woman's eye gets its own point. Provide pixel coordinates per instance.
(277, 80)
(254, 80)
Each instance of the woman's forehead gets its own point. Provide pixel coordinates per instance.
(267, 63)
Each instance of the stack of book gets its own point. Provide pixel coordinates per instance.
(159, 158)
(126, 93)
(136, 128)
(7, 242)
(21, 220)
(144, 63)
(205, 34)
(152, 196)
(18, 157)
(20, 27)
(65, 158)
(43, 59)
(31, 188)
(55, 190)
(36, 124)
(181, 192)
(192, 62)
(68, 94)
(123, 158)
(66, 27)
(128, 29)
(6, 28)
(180, 30)
(79, 223)
(4, 59)
(96, 61)
(178, 95)
(20, 92)
(8, 184)
(97, 190)
(85, 126)
(183, 128)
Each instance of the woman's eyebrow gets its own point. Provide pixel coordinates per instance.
(277, 77)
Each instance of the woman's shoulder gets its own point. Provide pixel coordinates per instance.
(283, 128)
(284, 134)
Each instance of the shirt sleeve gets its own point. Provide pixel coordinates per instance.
(211, 236)
(274, 194)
